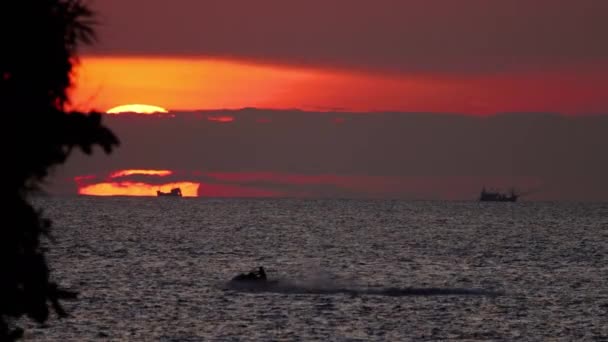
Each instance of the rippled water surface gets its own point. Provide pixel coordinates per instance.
(156, 269)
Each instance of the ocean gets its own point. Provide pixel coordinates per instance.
(158, 269)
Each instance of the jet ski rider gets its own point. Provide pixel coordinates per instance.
(261, 273)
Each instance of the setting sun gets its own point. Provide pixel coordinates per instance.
(189, 189)
(137, 108)
(111, 186)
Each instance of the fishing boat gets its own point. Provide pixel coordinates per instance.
(175, 192)
(496, 196)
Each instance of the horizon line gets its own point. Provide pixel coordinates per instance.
(347, 111)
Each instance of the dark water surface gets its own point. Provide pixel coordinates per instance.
(155, 269)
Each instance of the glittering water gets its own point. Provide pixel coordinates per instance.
(156, 269)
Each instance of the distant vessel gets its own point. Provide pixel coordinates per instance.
(495, 196)
(175, 192)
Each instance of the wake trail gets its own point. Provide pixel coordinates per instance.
(285, 286)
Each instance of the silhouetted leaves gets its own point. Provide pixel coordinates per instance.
(39, 40)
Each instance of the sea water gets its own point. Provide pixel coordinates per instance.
(156, 269)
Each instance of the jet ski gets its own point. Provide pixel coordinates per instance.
(253, 278)
(248, 278)
(258, 275)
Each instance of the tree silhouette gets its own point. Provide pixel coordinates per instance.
(39, 40)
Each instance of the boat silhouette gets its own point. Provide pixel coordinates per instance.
(496, 196)
(175, 192)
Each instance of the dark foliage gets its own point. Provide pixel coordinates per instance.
(37, 54)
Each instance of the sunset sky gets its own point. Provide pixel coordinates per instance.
(301, 60)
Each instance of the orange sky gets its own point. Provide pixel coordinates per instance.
(191, 83)
(472, 57)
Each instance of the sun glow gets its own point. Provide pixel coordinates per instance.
(137, 108)
(189, 189)
(110, 186)
(195, 83)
